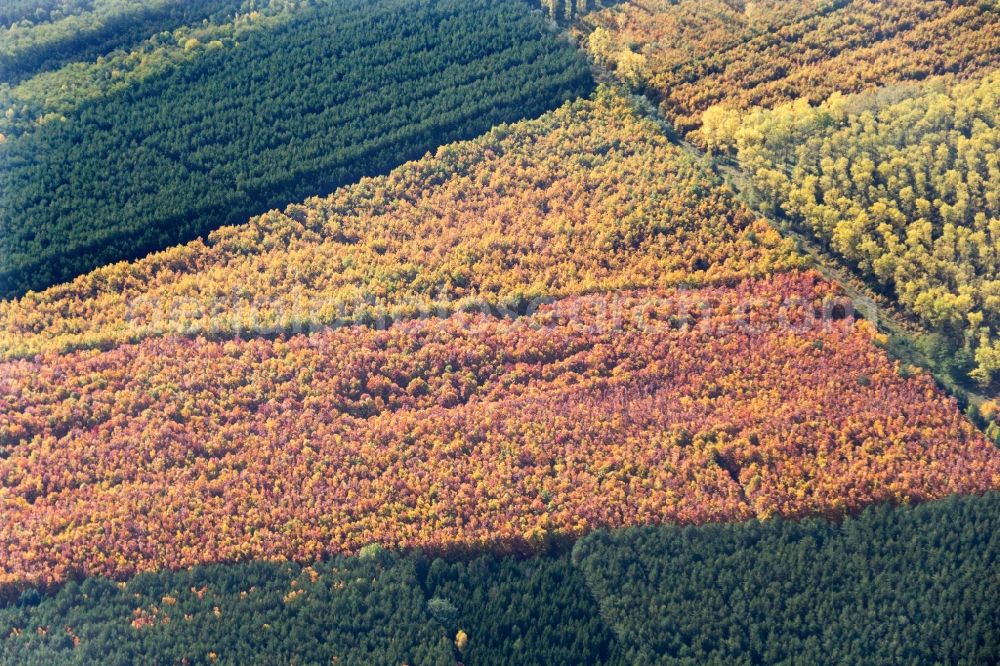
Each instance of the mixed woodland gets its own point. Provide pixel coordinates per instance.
(903, 184)
(378, 331)
(870, 125)
(590, 197)
(893, 585)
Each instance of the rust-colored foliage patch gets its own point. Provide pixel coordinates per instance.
(467, 432)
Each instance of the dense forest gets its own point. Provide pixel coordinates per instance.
(564, 11)
(54, 95)
(379, 608)
(618, 205)
(41, 11)
(379, 331)
(27, 47)
(894, 585)
(904, 183)
(692, 54)
(419, 370)
(871, 125)
(230, 134)
(468, 433)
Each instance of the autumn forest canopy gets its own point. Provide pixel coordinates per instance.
(516, 331)
(857, 121)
